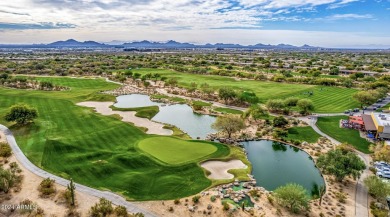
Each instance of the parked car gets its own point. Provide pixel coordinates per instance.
(383, 169)
(381, 163)
(384, 174)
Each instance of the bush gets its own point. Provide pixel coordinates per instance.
(5, 150)
(7, 180)
(103, 208)
(293, 196)
(121, 211)
(195, 199)
(213, 198)
(46, 188)
(225, 206)
(176, 201)
(341, 197)
(270, 199)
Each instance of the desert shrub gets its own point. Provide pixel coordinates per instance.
(341, 197)
(121, 211)
(103, 208)
(46, 188)
(225, 206)
(196, 199)
(176, 201)
(213, 198)
(5, 150)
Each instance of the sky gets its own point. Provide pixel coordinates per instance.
(325, 23)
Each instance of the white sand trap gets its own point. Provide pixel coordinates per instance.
(219, 169)
(128, 116)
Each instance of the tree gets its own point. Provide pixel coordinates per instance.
(341, 163)
(71, 188)
(21, 114)
(377, 188)
(227, 94)
(365, 97)
(382, 153)
(257, 112)
(334, 70)
(248, 97)
(356, 75)
(229, 123)
(275, 105)
(280, 121)
(293, 196)
(321, 193)
(305, 106)
(291, 101)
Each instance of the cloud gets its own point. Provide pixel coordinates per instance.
(349, 16)
(342, 3)
(127, 19)
(14, 13)
(23, 26)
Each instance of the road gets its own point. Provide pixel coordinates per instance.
(114, 198)
(361, 196)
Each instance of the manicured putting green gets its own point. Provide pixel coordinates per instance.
(176, 151)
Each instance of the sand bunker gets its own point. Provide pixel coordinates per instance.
(219, 169)
(128, 116)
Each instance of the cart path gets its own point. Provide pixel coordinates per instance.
(114, 198)
(361, 196)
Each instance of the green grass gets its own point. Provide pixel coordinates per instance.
(177, 99)
(228, 111)
(176, 151)
(303, 134)
(325, 99)
(177, 132)
(330, 126)
(201, 103)
(95, 150)
(143, 112)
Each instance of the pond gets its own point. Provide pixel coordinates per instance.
(275, 164)
(180, 115)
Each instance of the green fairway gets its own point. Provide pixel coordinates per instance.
(176, 151)
(325, 99)
(228, 111)
(330, 126)
(100, 151)
(303, 134)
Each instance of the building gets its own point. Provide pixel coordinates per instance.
(382, 125)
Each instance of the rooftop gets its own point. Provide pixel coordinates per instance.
(382, 119)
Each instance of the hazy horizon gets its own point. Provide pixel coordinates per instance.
(323, 23)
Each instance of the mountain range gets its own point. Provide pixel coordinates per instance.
(71, 43)
(142, 45)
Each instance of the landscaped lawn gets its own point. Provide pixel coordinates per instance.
(100, 151)
(330, 126)
(176, 151)
(303, 134)
(325, 99)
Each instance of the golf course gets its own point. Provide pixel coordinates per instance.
(106, 153)
(102, 151)
(325, 99)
